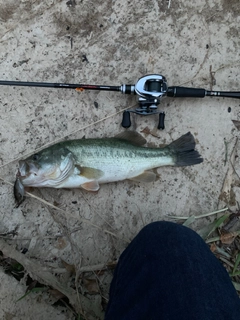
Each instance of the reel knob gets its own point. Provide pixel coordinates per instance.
(126, 121)
(161, 124)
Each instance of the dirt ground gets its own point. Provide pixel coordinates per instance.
(109, 43)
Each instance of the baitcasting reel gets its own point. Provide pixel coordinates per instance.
(153, 87)
(150, 89)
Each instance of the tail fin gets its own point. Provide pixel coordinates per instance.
(183, 151)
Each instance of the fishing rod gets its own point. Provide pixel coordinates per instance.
(150, 89)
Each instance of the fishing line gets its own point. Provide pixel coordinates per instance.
(68, 213)
(60, 139)
(149, 89)
(48, 203)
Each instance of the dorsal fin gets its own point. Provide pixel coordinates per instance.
(132, 136)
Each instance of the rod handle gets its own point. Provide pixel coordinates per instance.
(183, 92)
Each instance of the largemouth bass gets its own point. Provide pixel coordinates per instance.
(87, 163)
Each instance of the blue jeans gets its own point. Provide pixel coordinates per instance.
(168, 273)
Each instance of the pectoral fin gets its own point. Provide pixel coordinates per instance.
(90, 186)
(90, 173)
(146, 176)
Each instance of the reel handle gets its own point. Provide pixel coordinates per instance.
(126, 121)
(161, 124)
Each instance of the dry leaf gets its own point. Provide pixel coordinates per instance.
(56, 294)
(8, 316)
(69, 267)
(31, 285)
(56, 204)
(226, 194)
(112, 264)
(146, 130)
(109, 266)
(228, 238)
(236, 123)
(233, 218)
(213, 247)
(61, 243)
(91, 286)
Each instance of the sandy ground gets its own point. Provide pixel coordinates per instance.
(110, 43)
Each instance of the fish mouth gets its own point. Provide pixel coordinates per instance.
(26, 169)
(32, 174)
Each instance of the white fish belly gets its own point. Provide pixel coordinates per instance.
(128, 168)
(73, 181)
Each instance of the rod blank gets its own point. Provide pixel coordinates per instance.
(185, 92)
(59, 85)
(226, 94)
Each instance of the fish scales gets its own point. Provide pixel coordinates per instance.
(114, 155)
(87, 163)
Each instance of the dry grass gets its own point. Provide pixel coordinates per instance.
(223, 239)
(70, 284)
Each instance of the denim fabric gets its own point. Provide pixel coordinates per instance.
(168, 273)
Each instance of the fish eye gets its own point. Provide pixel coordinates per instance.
(35, 156)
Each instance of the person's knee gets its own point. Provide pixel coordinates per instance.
(157, 226)
(165, 233)
(162, 228)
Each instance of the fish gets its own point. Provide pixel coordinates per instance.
(87, 163)
(19, 191)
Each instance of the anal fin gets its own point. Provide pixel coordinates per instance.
(146, 176)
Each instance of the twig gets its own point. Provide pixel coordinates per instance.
(200, 216)
(227, 183)
(60, 139)
(95, 211)
(226, 261)
(212, 76)
(218, 238)
(68, 213)
(214, 239)
(223, 67)
(43, 276)
(100, 266)
(226, 151)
